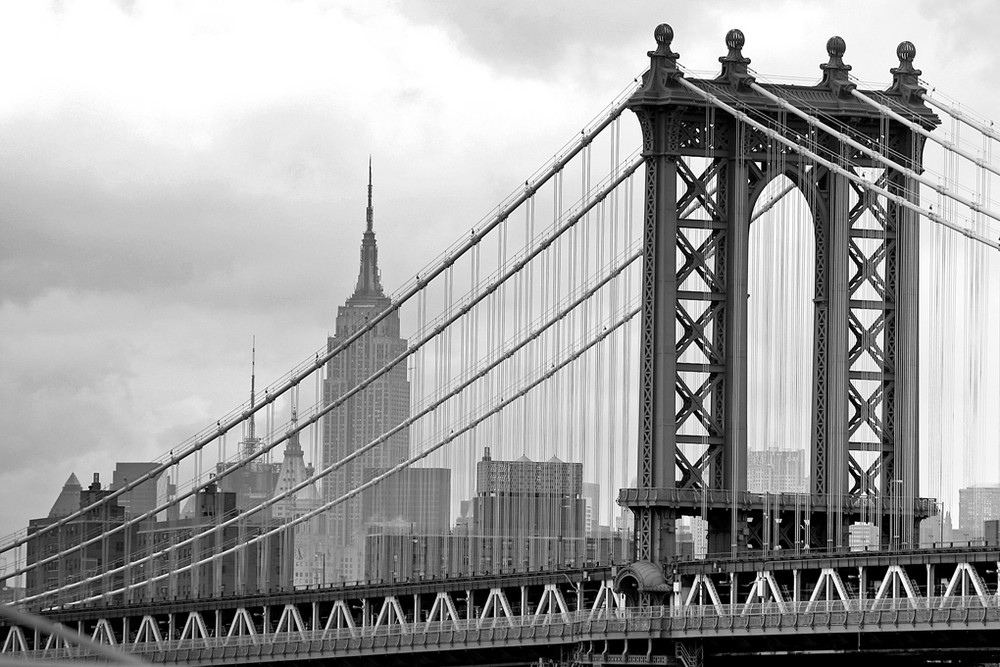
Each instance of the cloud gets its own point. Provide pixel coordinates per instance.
(65, 384)
(526, 39)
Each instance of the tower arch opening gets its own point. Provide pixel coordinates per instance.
(781, 345)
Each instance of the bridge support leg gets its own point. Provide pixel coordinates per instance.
(689, 654)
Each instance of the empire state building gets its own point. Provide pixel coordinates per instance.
(367, 415)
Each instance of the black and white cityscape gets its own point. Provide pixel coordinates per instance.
(320, 344)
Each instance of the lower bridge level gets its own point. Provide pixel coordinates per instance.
(910, 607)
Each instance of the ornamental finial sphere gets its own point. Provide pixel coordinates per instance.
(663, 34)
(906, 52)
(836, 47)
(735, 39)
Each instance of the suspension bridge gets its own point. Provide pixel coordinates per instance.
(752, 267)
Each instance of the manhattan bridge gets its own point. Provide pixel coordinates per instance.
(750, 272)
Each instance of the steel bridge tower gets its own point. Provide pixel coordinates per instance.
(693, 363)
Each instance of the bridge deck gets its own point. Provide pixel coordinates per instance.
(827, 625)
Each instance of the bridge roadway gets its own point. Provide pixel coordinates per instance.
(941, 604)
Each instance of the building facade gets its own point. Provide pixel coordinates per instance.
(197, 570)
(77, 563)
(863, 536)
(592, 498)
(141, 499)
(311, 549)
(976, 506)
(367, 415)
(936, 530)
(527, 515)
(776, 471)
(419, 498)
(253, 480)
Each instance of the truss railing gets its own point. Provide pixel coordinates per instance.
(898, 614)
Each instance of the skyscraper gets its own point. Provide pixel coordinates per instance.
(976, 505)
(308, 538)
(592, 496)
(527, 514)
(383, 404)
(253, 480)
(776, 471)
(78, 563)
(141, 499)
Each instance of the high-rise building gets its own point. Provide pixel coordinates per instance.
(311, 547)
(369, 414)
(692, 530)
(592, 497)
(776, 471)
(78, 563)
(528, 514)
(419, 498)
(936, 530)
(407, 517)
(976, 505)
(142, 498)
(119, 557)
(252, 479)
(863, 536)
(195, 569)
(9, 592)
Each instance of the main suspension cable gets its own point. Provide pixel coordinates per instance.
(857, 180)
(812, 120)
(237, 417)
(504, 402)
(501, 279)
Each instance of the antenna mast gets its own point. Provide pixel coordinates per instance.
(250, 443)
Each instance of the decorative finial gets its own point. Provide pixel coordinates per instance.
(836, 47)
(835, 72)
(906, 78)
(659, 82)
(664, 36)
(734, 65)
(906, 52)
(735, 41)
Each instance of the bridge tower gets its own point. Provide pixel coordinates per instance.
(693, 364)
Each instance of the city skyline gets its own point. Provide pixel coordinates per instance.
(704, 387)
(158, 343)
(411, 506)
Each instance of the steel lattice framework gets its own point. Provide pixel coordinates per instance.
(705, 170)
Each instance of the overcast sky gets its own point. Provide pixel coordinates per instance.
(176, 177)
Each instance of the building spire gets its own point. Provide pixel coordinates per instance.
(369, 282)
(250, 442)
(292, 447)
(253, 382)
(371, 210)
